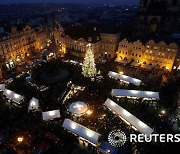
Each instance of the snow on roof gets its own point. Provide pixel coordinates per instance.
(48, 115)
(135, 93)
(127, 116)
(125, 78)
(82, 131)
(12, 95)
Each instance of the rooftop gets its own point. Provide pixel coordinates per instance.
(84, 32)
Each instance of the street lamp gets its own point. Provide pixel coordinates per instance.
(163, 111)
(89, 112)
(20, 139)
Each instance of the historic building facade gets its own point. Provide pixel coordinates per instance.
(73, 41)
(17, 45)
(109, 45)
(159, 55)
(157, 17)
(130, 51)
(42, 37)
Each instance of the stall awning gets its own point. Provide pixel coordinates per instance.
(124, 114)
(135, 93)
(33, 104)
(2, 87)
(48, 115)
(81, 131)
(12, 96)
(124, 78)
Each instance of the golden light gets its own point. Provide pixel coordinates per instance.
(121, 73)
(167, 67)
(20, 139)
(163, 111)
(89, 112)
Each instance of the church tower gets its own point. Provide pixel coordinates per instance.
(157, 17)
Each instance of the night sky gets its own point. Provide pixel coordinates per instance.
(131, 2)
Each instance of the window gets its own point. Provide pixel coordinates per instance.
(132, 54)
(139, 55)
(136, 55)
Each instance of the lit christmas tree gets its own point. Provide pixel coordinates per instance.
(89, 66)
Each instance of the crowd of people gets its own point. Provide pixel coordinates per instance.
(103, 121)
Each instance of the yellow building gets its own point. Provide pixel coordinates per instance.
(42, 38)
(16, 46)
(159, 55)
(132, 52)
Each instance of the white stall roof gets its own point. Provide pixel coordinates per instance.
(125, 78)
(78, 107)
(48, 115)
(12, 95)
(81, 131)
(139, 125)
(2, 87)
(135, 93)
(28, 78)
(33, 104)
(9, 80)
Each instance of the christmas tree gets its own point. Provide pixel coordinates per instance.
(89, 66)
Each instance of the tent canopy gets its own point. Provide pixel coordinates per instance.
(139, 125)
(124, 78)
(80, 130)
(12, 96)
(48, 115)
(78, 108)
(135, 93)
(33, 104)
(2, 87)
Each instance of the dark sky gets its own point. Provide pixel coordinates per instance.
(73, 1)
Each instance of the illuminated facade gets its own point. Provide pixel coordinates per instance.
(159, 55)
(42, 37)
(18, 45)
(74, 40)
